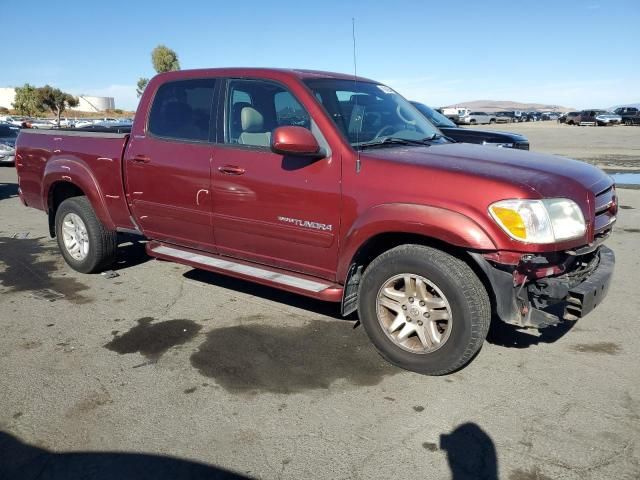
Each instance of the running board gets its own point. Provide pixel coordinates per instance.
(273, 277)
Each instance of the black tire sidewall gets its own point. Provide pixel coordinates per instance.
(91, 261)
(462, 317)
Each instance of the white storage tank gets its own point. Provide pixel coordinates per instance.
(89, 103)
(7, 97)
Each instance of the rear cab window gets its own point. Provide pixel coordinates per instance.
(182, 110)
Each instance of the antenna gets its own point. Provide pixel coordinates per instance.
(355, 82)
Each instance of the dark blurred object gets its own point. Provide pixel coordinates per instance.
(471, 453)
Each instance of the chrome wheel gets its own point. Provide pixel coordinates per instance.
(75, 236)
(414, 313)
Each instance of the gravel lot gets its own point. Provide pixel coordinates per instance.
(169, 372)
(615, 148)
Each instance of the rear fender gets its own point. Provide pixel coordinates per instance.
(437, 223)
(78, 173)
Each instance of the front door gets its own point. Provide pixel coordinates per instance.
(168, 169)
(277, 210)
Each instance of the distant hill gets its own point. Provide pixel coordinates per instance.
(496, 105)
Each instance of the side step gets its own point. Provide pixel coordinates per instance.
(273, 277)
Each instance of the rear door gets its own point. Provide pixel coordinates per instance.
(168, 169)
(277, 210)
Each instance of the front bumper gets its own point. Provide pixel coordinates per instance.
(8, 158)
(546, 301)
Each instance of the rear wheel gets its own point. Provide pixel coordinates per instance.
(423, 309)
(86, 245)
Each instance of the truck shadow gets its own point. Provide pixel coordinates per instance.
(8, 190)
(328, 309)
(131, 252)
(20, 461)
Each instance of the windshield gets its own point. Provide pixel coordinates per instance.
(434, 117)
(366, 112)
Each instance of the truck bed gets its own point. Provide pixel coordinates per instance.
(94, 159)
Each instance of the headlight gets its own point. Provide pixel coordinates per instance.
(539, 221)
(4, 148)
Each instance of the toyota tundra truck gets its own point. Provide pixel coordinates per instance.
(334, 187)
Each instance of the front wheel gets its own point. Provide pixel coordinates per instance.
(423, 309)
(86, 245)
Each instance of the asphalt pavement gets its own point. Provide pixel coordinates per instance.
(164, 371)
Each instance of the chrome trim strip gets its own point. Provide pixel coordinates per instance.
(247, 270)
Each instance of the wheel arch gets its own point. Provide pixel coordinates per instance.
(410, 223)
(371, 237)
(67, 178)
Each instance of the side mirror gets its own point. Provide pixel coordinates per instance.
(297, 141)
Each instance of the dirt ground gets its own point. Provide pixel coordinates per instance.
(615, 148)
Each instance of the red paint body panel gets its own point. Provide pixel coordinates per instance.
(301, 214)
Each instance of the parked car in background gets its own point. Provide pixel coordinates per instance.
(505, 117)
(476, 118)
(597, 117)
(41, 123)
(569, 118)
(608, 118)
(8, 136)
(454, 113)
(14, 120)
(531, 116)
(472, 135)
(83, 123)
(549, 116)
(629, 115)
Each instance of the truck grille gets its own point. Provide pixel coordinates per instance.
(606, 209)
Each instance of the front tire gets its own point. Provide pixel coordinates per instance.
(423, 309)
(86, 245)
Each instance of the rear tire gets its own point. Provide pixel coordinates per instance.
(457, 309)
(86, 245)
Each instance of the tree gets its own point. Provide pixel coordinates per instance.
(27, 101)
(56, 100)
(141, 85)
(164, 59)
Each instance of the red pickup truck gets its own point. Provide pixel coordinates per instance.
(337, 188)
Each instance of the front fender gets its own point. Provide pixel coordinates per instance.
(434, 222)
(75, 171)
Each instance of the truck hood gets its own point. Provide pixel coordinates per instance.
(547, 175)
(478, 136)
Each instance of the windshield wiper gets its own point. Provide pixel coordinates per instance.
(395, 140)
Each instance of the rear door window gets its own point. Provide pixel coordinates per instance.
(182, 110)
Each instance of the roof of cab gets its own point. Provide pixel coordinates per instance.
(250, 72)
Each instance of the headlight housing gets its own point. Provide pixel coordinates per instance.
(539, 221)
(6, 148)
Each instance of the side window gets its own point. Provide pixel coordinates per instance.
(182, 110)
(289, 111)
(255, 108)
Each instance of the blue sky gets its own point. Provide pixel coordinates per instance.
(574, 53)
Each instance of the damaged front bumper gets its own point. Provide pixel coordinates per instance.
(540, 292)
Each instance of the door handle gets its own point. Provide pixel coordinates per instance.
(141, 159)
(231, 170)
